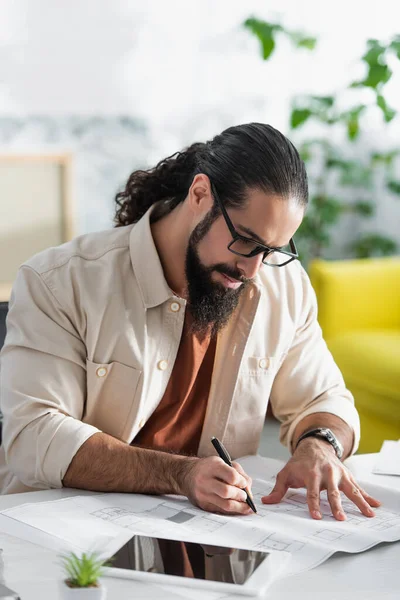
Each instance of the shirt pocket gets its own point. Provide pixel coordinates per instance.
(253, 387)
(111, 394)
(259, 366)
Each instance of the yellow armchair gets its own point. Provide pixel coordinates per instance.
(359, 313)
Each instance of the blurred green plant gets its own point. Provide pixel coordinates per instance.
(338, 184)
(267, 32)
(83, 571)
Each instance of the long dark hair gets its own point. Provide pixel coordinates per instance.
(254, 155)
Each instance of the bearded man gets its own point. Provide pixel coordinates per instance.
(129, 349)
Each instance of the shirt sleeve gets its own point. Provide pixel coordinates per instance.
(309, 381)
(42, 385)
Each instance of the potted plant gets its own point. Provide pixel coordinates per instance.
(82, 577)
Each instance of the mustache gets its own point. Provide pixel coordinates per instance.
(230, 272)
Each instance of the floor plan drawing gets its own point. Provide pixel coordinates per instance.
(285, 527)
(355, 519)
(381, 525)
(275, 541)
(267, 509)
(328, 534)
(259, 489)
(165, 511)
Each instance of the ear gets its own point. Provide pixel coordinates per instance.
(200, 198)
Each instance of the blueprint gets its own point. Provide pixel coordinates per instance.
(103, 522)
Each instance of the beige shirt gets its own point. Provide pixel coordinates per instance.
(93, 332)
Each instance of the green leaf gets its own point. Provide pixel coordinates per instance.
(307, 42)
(356, 84)
(357, 110)
(268, 45)
(366, 209)
(395, 45)
(299, 116)
(385, 157)
(264, 31)
(300, 40)
(375, 54)
(373, 244)
(379, 72)
(323, 101)
(377, 75)
(338, 163)
(351, 118)
(305, 153)
(83, 571)
(329, 209)
(355, 174)
(394, 186)
(353, 128)
(388, 113)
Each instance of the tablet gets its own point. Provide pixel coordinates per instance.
(183, 563)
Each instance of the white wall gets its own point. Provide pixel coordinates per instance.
(185, 68)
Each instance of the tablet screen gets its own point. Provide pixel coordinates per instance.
(188, 559)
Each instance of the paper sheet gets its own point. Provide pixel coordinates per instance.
(108, 520)
(388, 462)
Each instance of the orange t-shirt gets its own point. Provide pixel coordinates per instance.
(177, 422)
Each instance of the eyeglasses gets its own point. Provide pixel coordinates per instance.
(248, 247)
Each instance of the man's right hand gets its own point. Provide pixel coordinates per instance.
(214, 486)
(106, 464)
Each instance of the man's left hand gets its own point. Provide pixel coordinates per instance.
(315, 466)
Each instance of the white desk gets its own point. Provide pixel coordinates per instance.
(35, 572)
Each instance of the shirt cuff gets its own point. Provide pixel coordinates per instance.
(69, 437)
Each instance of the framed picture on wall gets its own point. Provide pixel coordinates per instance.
(35, 209)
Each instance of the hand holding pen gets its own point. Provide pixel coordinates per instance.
(223, 453)
(213, 484)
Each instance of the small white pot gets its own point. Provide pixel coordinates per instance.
(89, 593)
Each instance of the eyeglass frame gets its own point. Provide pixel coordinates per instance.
(260, 247)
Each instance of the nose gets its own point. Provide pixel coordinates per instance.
(249, 267)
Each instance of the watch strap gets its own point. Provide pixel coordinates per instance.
(323, 433)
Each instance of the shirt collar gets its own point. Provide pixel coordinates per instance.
(146, 264)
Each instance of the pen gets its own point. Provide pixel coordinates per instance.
(223, 453)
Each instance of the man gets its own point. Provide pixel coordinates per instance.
(127, 350)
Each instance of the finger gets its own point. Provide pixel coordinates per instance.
(371, 501)
(313, 498)
(228, 492)
(229, 475)
(353, 492)
(335, 500)
(280, 489)
(214, 503)
(240, 470)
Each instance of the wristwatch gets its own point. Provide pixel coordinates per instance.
(323, 433)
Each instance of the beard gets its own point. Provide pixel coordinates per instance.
(211, 304)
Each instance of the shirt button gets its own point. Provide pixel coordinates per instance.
(101, 372)
(141, 423)
(175, 307)
(162, 365)
(264, 363)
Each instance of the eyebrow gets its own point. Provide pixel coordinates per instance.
(256, 237)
